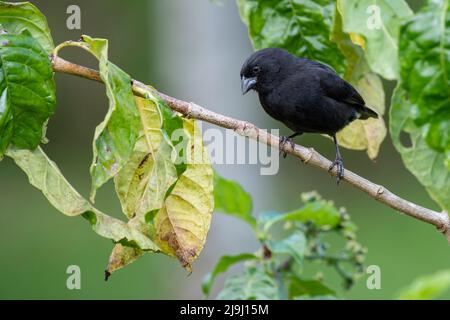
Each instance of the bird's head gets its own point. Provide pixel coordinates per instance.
(262, 67)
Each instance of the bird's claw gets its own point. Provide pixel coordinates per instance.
(339, 164)
(283, 141)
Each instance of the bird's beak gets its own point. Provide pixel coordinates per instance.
(247, 84)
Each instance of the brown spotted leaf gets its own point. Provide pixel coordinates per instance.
(181, 226)
(144, 181)
(175, 216)
(121, 256)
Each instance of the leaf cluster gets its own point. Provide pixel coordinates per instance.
(292, 243)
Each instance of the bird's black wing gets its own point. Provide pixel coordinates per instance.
(338, 89)
(341, 91)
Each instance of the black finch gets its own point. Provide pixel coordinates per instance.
(307, 96)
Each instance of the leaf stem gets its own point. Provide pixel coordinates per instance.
(335, 261)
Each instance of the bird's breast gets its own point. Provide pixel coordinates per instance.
(271, 107)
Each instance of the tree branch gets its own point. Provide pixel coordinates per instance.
(309, 156)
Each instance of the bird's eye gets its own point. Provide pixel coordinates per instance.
(256, 69)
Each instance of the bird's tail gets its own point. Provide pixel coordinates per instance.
(367, 113)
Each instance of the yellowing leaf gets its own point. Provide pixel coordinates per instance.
(142, 185)
(45, 175)
(182, 225)
(367, 134)
(179, 221)
(358, 40)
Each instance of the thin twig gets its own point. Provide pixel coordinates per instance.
(309, 156)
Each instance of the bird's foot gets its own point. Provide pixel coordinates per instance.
(339, 164)
(283, 141)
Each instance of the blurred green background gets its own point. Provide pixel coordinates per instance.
(193, 50)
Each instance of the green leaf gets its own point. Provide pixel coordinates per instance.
(426, 164)
(427, 287)
(374, 25)
(425, 72)
(306, 297)
(45, 176)
(301, 27)
(222, 266)
(421, 102)
(309, 288)
(115, 137)
(182, 225)
(294, 245)
(15, 17)
(27, 91)
(320, 212)
(254, 284)
(232, 199)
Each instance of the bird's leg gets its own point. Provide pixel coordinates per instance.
(290, 139)
(338, 162)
